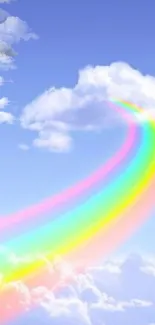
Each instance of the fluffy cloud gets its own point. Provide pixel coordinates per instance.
(12, 30)
(6, 117)
(54, 141)
(118, 292)
(57, 113)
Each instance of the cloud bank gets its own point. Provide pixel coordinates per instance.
(118, 292)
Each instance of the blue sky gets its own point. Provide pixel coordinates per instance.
(70, 36)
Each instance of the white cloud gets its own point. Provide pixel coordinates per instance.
(23, 147)
(54, 141)
(12, 30)
(59, 112)
(6, 62)
(103, 295)
(6, 118)
(6, 49)
(3, 102)
(149, 269)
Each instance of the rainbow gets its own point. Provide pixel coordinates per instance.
(102, 221)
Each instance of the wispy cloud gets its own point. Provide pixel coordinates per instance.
(23, 147)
